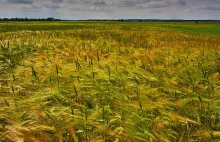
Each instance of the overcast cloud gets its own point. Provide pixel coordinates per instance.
(111, 9)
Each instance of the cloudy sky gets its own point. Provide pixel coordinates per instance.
(111, 9)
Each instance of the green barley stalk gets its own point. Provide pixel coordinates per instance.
(78, 79)
(78, 66)
(50, 80)
(138, 98)
(76, 92)
(13, 77)
(191, 80)
(109, 71)
(57, 72)
(12, 87)
(98, 55)
(34, 73)
(90, 63)
(86, 127)
(93, 73)
(72, 110)
(6, 102)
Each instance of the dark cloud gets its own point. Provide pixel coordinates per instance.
(20, 1)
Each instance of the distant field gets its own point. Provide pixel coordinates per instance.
(189, 27)
(109, 81)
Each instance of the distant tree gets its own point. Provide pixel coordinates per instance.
(50, 19)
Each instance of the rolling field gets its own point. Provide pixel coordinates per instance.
(109, 82)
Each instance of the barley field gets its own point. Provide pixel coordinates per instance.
(109, 82)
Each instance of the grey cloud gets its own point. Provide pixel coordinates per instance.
(57, 1)
(88, 2)
(52, 6)
(99, 3)
(80, 9)
(94, 9)
(131, 3)
(157, 4)
(115, 3)
(182, 2)
(162, 3)
(20, 1)
(210, 8)
(96, 2)
(44, 5)
(37, 7)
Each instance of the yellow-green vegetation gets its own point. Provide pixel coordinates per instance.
(109, 81)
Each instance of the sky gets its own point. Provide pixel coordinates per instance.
(111, 9)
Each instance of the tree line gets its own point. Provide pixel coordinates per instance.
(30, 19)
(119, 20)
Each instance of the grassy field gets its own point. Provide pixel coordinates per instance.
(109, 82)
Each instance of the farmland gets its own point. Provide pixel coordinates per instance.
(109, 81)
